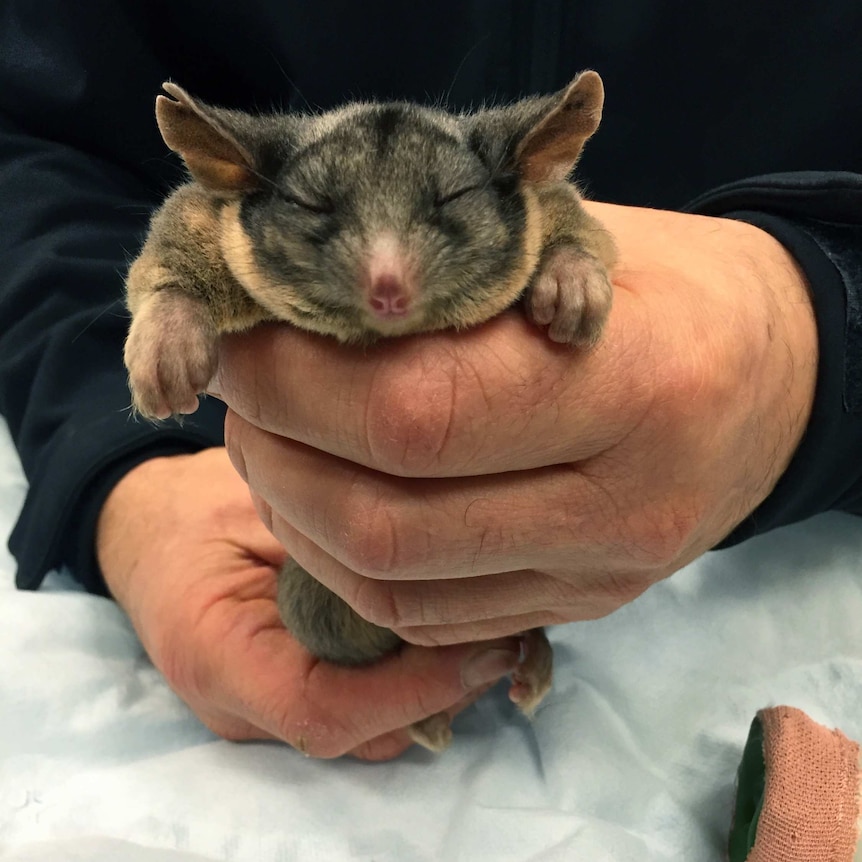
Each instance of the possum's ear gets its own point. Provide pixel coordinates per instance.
(201, 135)
(541, 138)
(551, 148)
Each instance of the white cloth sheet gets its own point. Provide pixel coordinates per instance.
(633, 756)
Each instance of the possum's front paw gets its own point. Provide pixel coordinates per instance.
(532, 678)
(171, 354)
(571, 295)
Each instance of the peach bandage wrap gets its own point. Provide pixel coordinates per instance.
(810, 807)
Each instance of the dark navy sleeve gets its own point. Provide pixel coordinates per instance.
(81, 168)
(818, 218)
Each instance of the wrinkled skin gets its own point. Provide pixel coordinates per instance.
(477, 484)
(185, 554)
(463, 486)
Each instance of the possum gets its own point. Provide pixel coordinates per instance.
(372, 220)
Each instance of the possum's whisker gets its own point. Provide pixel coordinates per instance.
(263, 178)
(448, 94)
(95, 320)
(291, 82)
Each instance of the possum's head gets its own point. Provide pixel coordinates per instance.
(382, 219)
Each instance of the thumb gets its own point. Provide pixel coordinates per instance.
(325, 710)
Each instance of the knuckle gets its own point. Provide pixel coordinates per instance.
(376, 603)
(375, 531)
(234, 426)
(660, 538)
(409, 420)
(264, 511)
(687, 386)
(371, 544)
(605, 595)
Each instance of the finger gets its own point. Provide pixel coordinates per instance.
(447, 404)
(432, 613)
(459, 604)
(325, 711)
(381, 748)
(385, 747)
(389, 527)
(483, 630)
(435, 613)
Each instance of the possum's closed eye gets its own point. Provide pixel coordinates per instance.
(442, 199)
(324, 206)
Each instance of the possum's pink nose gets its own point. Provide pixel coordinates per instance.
(388, 296)
(389, 283)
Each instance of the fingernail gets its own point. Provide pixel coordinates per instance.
(488, 666)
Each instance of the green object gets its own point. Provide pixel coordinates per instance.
(750, 781)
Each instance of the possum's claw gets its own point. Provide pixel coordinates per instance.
(171, 354)
(531, 679)
(432, 733)
(571, 295)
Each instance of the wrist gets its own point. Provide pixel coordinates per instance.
(824, 472)
(787, 375)
(131, 515)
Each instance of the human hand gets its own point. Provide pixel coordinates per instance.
(185, 554)
(472, 485)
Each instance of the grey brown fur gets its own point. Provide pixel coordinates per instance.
(370, 221)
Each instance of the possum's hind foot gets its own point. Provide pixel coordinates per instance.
(532, 678)
(433, 733)
(531, 681)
